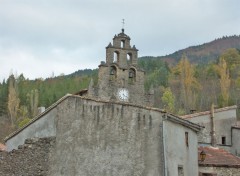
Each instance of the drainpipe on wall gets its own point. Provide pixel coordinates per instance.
(213, 134)
(164, 147)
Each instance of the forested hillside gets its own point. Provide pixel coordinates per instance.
(20, 97)
(202, 54)
(179, 87)
(187, 86)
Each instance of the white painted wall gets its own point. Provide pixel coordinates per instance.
(43, 127)
(223, 122)
(176, 151)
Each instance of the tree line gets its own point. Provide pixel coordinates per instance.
(186, 87)
(178, 88)
(21, 97)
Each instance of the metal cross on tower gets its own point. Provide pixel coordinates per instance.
(123, 23)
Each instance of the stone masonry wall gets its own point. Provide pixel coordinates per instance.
(30, 159)
(108, 88)
(106, 139)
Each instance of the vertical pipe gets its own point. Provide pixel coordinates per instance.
(164, 147)
(213, 134)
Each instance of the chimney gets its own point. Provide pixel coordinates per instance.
(213, 134)
(41, 110)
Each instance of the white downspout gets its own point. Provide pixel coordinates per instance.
(164, 145)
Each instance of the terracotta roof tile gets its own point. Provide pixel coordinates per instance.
(216, 157)
(2, 147)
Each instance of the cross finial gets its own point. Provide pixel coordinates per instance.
(123, 23)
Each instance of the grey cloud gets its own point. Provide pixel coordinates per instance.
(75, 33)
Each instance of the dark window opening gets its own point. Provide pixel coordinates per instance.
(186, 139)
(131, 76)
(113, 73)
(180, 171)
(207, 174)
(224, 140)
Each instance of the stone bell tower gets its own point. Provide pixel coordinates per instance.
(119, 77)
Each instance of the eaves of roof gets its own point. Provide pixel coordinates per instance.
(216, 157)
(208, 112)
(77, 96)
(183, 122)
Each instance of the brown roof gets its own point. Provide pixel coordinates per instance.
(216, 157)
(208, 112)
(2, 147)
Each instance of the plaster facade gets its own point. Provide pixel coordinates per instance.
(235, 149)
(106, 139)
(222, 122)
(180, 148)
(116, 139)
(42, 127)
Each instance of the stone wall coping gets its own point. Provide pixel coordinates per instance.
(171, 117)
(77, 96)
(187, 116)
(37, 117)
(179, 120)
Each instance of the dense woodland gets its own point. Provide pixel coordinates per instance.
(179, 88)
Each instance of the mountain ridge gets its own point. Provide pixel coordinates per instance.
(204, 53)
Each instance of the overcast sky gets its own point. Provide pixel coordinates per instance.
(42, 37)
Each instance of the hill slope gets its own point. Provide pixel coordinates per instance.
(202, 53)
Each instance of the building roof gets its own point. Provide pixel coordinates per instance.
(171, 117)
(216, 157)
(177, 119)
(2, 147)
(208, 112)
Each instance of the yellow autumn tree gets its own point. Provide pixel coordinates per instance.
(188, 83)
(225, 81)
(168, 100)
(33, 100)
(13, 101)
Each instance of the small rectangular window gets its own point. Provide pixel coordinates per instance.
(186, 138)
(223, 140)
(207, 174)
(180, 171)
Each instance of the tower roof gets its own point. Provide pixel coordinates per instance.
(122, 35)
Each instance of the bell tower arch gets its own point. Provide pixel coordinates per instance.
(119, 77)
(122, 50)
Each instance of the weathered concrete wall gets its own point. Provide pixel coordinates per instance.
(110, 139)
(43, 127)
(177, 152)
(223, 122)
(30, 159)
(236, 141)
(220, 171)
(104, 139)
